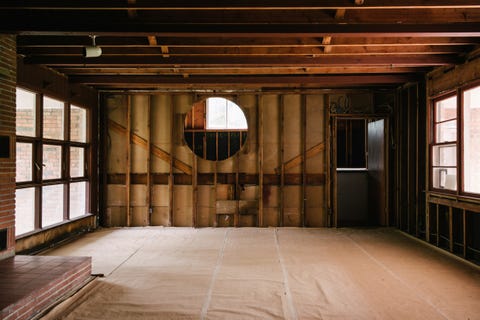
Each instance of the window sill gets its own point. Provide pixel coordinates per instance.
(53, 226)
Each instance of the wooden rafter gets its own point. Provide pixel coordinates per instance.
(232, 5)
(25, 41)
(326, 60)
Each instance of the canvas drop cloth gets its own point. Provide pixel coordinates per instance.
(253, 273)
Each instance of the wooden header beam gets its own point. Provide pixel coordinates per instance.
(232, 4)
(257, 61)
(248, 42)
(60, 26)
(335, 80)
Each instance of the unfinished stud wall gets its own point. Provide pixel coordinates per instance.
(448, 220)
(8, 77)
(153, 178)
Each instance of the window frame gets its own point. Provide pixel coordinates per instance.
(38, 142)
(459, 143)
(434, 143)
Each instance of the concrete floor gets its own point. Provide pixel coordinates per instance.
(250, 273)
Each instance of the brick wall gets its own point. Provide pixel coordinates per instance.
(8, 75)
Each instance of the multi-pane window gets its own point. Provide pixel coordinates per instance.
(52, 149)
(455, 147)
(471, 140)
(224, 114)
(444, 148)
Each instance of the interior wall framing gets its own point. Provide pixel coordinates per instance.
(170, 186)
(449, 221)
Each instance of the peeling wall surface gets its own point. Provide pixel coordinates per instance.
(153, 178)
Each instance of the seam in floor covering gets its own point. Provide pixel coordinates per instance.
(130, 256)
(208, 299)
(292, 313)
(393, 274)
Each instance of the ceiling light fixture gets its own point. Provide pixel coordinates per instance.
(92, 51)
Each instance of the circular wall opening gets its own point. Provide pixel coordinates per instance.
(215, 128)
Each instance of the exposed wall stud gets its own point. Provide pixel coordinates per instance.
(129, 162)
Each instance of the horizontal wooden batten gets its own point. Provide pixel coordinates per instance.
(60, 26)
(324, 80)
(139, 61)
(294, 15)
(232, 5)
(248, 41)
(244, 51)
(222, 178)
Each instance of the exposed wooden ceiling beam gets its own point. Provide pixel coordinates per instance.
(139, 61)
(137, 42)
(242, 70)
(126, 28)
(232, 4)
(402, 16)
(166, 51)
(469, 29)
(324, 80)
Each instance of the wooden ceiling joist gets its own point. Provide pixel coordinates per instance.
(242, 70)
(24, 41)
(232, 4)
(166, 51)
(324, 80)
(139, 61)
(243, 43)
(126, 28)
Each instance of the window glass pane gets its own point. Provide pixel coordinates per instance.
(446, 109)
(53, 118)
(446, 131)
(216, 113)
(78, 124)
(77, 163)
(78, 199)
(24, 162)
(24, 210)
(445, 155)
(445, 178)
(52, 204)
(52, 162)
(25, 118)
(471, 140)
(236, 117)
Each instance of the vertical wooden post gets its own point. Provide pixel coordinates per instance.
(407, 124)
(387, 172)
(450, 228)
(397, 158)
(260, 158)
(129, 161)
(236, 216)
(194, 190)
(215, 182)
(427, 220)
(149, 164)
(438, 226)
(334, 170)
(171, 178)
(304, 157)
(328, 144)
(417, 181)
(282, 160)
(194, 181)
(464, 213)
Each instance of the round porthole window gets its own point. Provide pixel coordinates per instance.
(215, 128)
